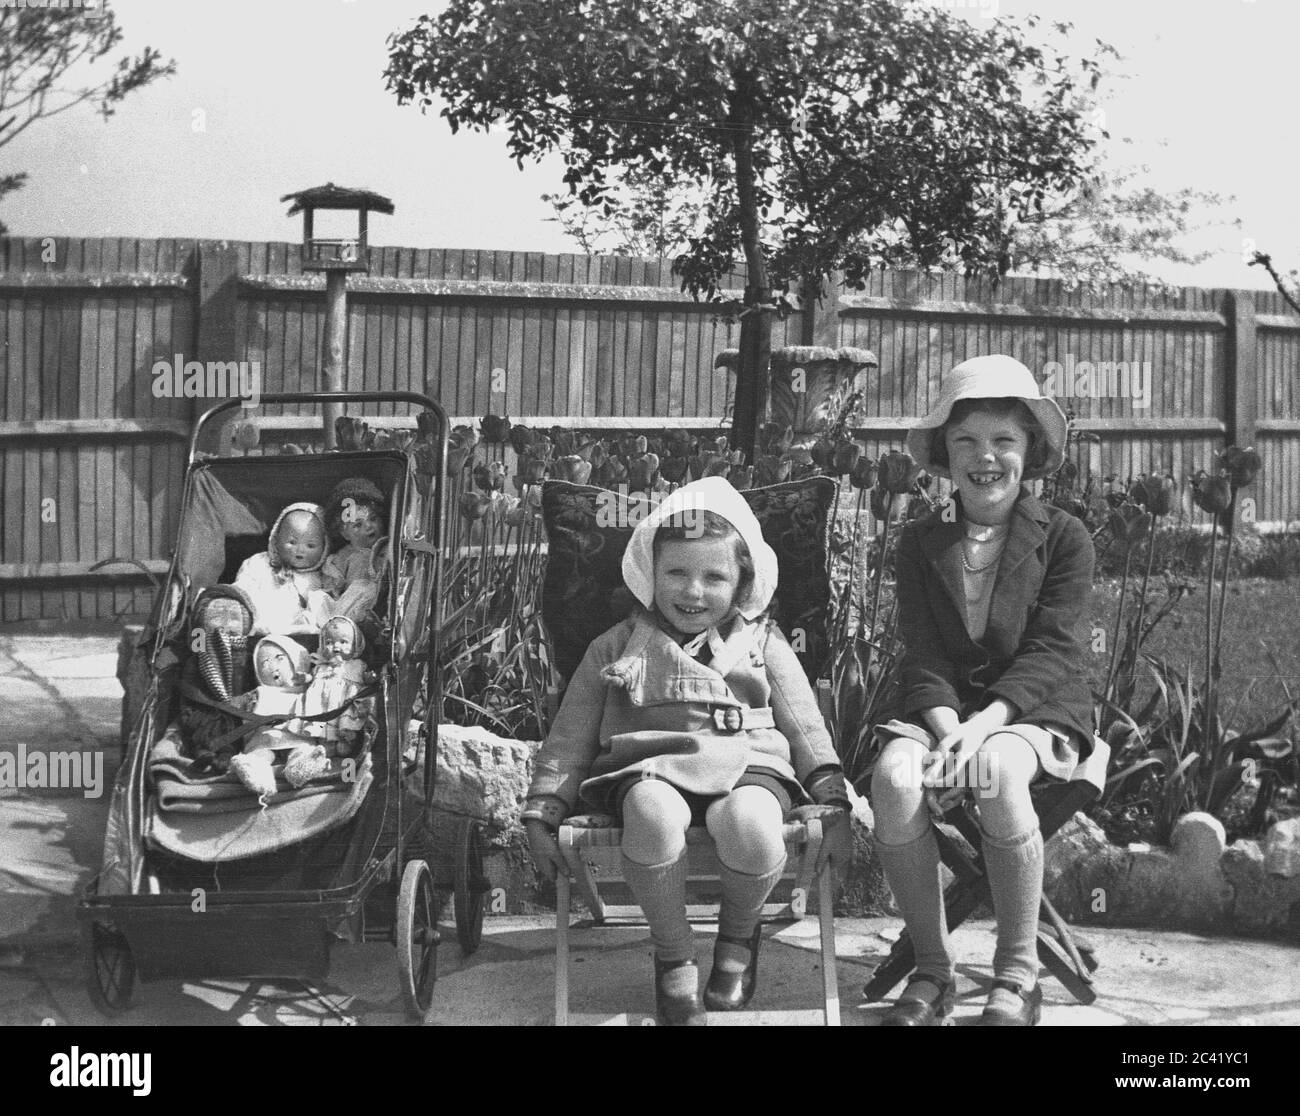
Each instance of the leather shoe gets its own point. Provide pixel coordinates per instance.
(1028, 1014)
(730, 991)
(914, 1011)
(674, 1010)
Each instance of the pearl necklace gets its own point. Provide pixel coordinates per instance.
(977, 536)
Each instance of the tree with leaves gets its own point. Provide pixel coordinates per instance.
(827, 134)
(52, 59)
(1111, 231)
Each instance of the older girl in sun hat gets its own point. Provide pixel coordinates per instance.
(992, 590)
(693, 711)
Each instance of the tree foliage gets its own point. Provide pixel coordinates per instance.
(1112, 231)
(824, 133)
(51, 60)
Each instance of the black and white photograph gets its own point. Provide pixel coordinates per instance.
(653, 513)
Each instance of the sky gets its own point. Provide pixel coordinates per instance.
(272, 96)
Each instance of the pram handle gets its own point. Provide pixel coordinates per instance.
(321, 397)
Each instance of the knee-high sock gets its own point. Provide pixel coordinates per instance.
(743, 897)
(1015, 873)
(912, 872)
(661, 891)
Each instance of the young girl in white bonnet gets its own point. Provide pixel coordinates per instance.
(693, 711)
(992, 590)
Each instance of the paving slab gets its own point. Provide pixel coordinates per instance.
(60, 689)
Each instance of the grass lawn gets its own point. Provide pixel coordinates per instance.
(1261, 626)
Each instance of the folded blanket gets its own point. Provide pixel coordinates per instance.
(177, 789)
(215, 829)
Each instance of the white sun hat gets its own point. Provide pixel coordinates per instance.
(714, 494)
(991, 377)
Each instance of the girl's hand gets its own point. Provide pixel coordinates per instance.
(947, 762)
(545, 849)
(836, 851)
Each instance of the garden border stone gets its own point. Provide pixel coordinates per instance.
(1199, 884)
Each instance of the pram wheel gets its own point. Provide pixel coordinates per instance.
(469, 885)
(110, 968)
(416, 931)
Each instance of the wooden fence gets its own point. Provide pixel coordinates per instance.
(91, 461)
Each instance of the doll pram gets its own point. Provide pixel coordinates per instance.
(195, 884)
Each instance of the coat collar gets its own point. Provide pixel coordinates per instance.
(940, 541)
(675, 675)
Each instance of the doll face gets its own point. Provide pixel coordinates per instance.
(986, 456)
(360, 524)
(222, 614)
(696, 582)
(274, 667)
(300, 541)
(337, 642)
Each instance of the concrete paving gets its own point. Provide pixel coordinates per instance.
(59, 691)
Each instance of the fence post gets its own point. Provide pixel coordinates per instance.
(1240, 389)
(820, 323)
(218, 319)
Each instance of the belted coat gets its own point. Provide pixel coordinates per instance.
(638, 703)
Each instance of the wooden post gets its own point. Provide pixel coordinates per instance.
(820, 321)
(1241, 387)
(336, 340)
(218, 323)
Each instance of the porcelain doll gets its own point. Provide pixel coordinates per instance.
(338, 676)
(280, 664)
(284, 583)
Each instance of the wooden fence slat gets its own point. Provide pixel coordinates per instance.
(579, 337)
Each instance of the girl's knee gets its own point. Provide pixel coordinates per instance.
(897, 777)
(655, 819)
(897, 796)
(1006, 765)
(1004, 768)
(747, 826)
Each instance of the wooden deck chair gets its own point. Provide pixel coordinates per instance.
(583, 595)
(1067, 956)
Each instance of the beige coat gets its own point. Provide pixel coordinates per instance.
(638, 703)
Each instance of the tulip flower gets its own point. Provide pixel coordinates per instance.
(474, 505)
(897, 473)
(1240, 465)
(1129, 523)
(1212, 494)
(496, 428)
(673, 469)
(565, 446)
(823, 454)
(520, 439)
(573, 469)
(863, 473)
(642, 471)
(1155, 493)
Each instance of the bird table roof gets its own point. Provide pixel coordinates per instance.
(330, 196)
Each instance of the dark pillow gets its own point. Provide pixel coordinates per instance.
(583, 593)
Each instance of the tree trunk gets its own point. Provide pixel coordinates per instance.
(756, 322)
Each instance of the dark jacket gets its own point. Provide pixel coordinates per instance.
(1032, 650)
